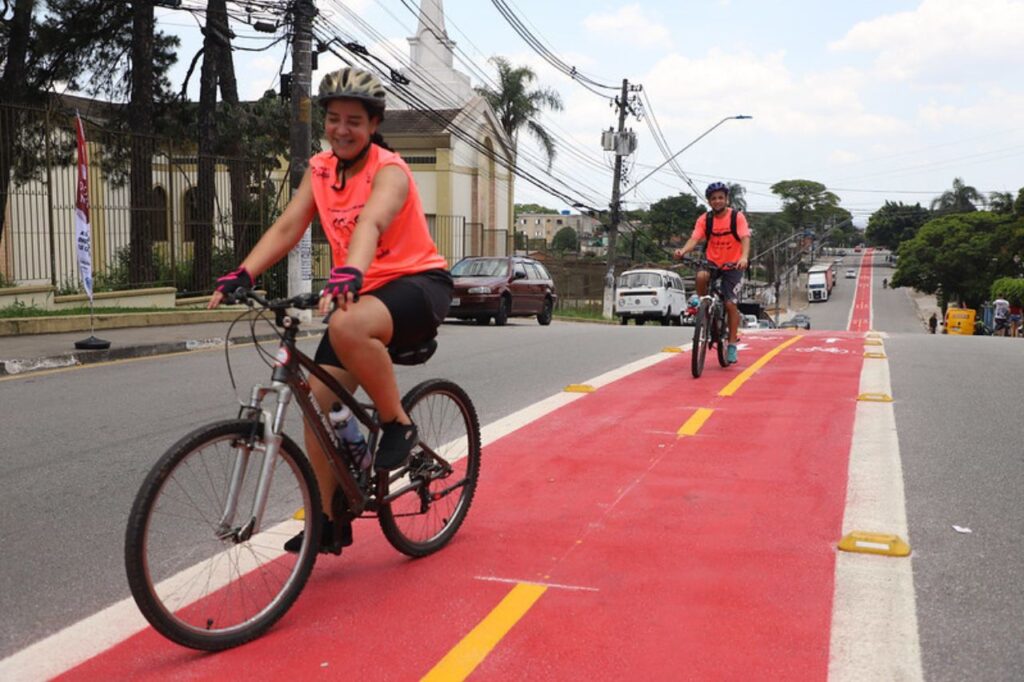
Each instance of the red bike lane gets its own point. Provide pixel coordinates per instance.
(665, 557)
(860, 317)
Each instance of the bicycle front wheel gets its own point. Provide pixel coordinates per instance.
(701, 337)
(721, 336)
(199, 571)
(428, 499)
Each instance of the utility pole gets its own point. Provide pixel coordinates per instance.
(300, 259)
(622, 148)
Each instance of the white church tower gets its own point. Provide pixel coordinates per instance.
(434, 77)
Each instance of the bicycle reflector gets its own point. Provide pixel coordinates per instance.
(282, 357)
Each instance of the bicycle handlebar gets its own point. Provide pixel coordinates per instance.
(248, 297)
(704, 263)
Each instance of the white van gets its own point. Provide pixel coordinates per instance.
(649, 294)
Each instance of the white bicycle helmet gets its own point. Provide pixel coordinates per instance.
(352, 83)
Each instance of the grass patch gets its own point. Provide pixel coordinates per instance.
(22, 310)
(588, 314)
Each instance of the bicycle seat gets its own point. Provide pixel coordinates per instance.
(413, 355)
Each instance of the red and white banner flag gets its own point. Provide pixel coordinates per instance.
(83, 232)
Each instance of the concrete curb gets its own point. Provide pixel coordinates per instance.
(89, 357)
(17, 326)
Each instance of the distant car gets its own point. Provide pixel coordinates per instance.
(842, 252)
(500, 288)
(851, 274)
(798, 321)
(856, 249)
(750, 322)
(765, 324)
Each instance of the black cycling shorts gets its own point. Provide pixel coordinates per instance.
(417, 304)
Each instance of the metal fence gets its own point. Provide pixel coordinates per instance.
(154, 221)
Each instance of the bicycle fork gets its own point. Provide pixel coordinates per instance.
(273, 425)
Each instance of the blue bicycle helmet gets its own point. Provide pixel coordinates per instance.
(716, 187)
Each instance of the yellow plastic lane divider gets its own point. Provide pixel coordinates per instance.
(873, 342)
(474, 647)
(735, 384)
(875, 397)
(876, 355)
(671, 349)
(579, 388)
(874, 543)
(693, 424)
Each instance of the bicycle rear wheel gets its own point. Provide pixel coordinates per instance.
(428, 499)
(701, 338)
(212, 585)
(721, 335)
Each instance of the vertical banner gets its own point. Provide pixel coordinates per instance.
(83, 233)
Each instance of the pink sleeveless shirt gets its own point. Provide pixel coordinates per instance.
(405, 248)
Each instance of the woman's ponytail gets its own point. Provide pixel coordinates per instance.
(378, 140)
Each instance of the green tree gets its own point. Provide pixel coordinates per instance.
(518, 106)
(1000, 202)
(737, 196)
(806, 203)
(895, 222)
(1018, 204)
(960, 255)
(1010, 288)
(962, 198)
(565, 239)
(672, 217)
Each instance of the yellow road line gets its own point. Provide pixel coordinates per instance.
(474, 647)
(735, 384)
(696, 420)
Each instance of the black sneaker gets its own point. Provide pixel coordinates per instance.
(396, 442)
(332, 538)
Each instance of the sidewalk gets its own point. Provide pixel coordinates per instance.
(34, 352)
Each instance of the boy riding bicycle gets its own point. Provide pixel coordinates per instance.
(728, 241)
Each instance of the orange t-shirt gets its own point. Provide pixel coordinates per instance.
(722, 247)
(405, 248)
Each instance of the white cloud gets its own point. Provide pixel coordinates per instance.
(988, 111)
(940, 35)
(843, 156)
(631, 25)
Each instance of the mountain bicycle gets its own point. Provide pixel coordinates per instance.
(710, 328)
(204, 543)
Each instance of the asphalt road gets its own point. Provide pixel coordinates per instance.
(77, 444)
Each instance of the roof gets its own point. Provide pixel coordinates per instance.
(414, 122)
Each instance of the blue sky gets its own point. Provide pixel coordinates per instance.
(877, 100)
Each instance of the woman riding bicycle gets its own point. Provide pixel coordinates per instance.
(389, 287)
(724, 245)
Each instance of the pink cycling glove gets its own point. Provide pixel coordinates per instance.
(344, 280)
(235, 279)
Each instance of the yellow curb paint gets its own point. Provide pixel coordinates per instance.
(735, 384)
(474, 647)
(873, 342)
(872, 354)
(671, 349)
(579, 388)
(875, 397)
(693, 424)
(874, 543)
(300, 515)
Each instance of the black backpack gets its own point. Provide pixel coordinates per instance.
(709, 221)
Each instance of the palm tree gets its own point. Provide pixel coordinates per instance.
(1000, 202)
(961, 199)
(517, 106)
(737, 196)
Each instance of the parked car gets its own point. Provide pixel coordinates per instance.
(501, 287)
(851, 274)
(798, 321)
(750, 322)
(765, 324)
(650, 294)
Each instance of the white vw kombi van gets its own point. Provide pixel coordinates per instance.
(650, 294)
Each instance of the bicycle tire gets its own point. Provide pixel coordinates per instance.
(701, 335)
(246, 570)
(457, 442)
(722, 337)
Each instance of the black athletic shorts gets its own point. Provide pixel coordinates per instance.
(732, 281)
(417, 303)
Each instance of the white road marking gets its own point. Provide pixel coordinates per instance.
(95, 634)
(874, 622)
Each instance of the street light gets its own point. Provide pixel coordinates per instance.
(739, 117)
